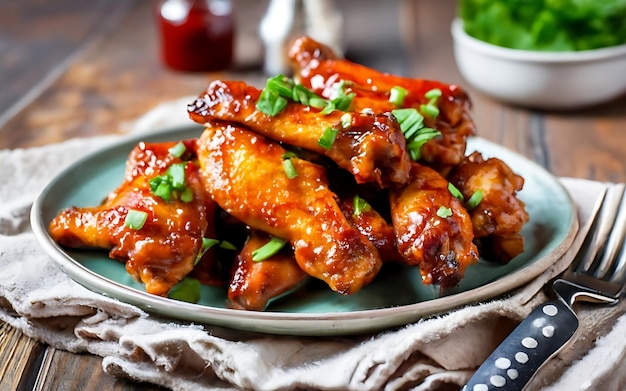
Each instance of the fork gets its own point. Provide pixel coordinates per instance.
(597, 274)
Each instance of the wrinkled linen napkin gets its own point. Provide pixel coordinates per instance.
(439, 352)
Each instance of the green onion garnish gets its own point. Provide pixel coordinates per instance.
(360, 205)
(290, 169)
(187, 290)
(172, 183)
(135, 219)
(414, 146)
(455, 192)
(226, 245)
(346, 120)
(474, 200)
(328, 138)
(397, 95)
(161, 187)
(270, 102)
(177, 150)
(416, 134)
(444, 212)
(410, 120)
(280, 84)
(288, 166)
(430, 110)
(187, 195)
(268, 249)
(280, 88)
(433, 94)
(176, 174)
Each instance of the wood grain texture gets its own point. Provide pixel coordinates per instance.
(74, 68)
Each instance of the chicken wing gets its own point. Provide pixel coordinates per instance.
(244, 173)
(254, 284)
(433, 229)
(371, 147)
(162, 251)
(500, 215)
(317, 67)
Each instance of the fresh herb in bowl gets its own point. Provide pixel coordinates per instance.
(546, 25)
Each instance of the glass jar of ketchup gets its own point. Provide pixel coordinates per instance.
(196, 35)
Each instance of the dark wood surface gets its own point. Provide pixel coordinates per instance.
(73, 68)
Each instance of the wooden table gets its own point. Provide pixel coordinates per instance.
(74, 68)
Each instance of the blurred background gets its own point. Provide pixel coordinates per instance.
(40, 40)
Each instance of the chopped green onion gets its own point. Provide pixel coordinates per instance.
(226, 245)
(360, 205)
(187, 290)
(176, 175)
(444, 212)
(410, 120)
(317, 102)
(414, 146)
(346, 120)
(301, 94)
(135, 219)
(474, 200)
(187, 195)
(343, 102)
(280, 84)
(270, 102)
(433, 94)
(455, 192)
(290, 169)
(268, 249)
(161, 187)
(412, 126)
(397, 95)
(430, 110)
(177, 150)
(328, 138)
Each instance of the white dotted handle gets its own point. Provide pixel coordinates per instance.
(511, 366)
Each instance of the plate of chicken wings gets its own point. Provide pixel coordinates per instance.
(340, 200)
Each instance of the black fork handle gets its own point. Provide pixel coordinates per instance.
(515, 361)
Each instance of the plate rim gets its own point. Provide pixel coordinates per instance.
(286, 323)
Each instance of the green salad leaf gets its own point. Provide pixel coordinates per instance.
(546, 25)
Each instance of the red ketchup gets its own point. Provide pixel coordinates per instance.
(196, 35)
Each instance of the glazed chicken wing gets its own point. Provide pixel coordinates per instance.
(243, 171)
(371, 147)
(500, 215)
(159, 252)
(254, 284)
(318, 68)
(433, 229)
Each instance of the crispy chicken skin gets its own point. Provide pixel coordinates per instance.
(319, 69)
(254, 284)
(243, 172)
(372, 147)
(163, 250)
(442, 247)
(500, 216)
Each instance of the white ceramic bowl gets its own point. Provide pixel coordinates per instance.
(546, 80)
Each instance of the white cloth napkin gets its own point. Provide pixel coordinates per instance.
(441, 351)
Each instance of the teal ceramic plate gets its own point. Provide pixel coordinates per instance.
(395, 298)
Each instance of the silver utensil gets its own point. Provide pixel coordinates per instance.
(598, 274)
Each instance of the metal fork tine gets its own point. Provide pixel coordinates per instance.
(604, 225)
(609, 260)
